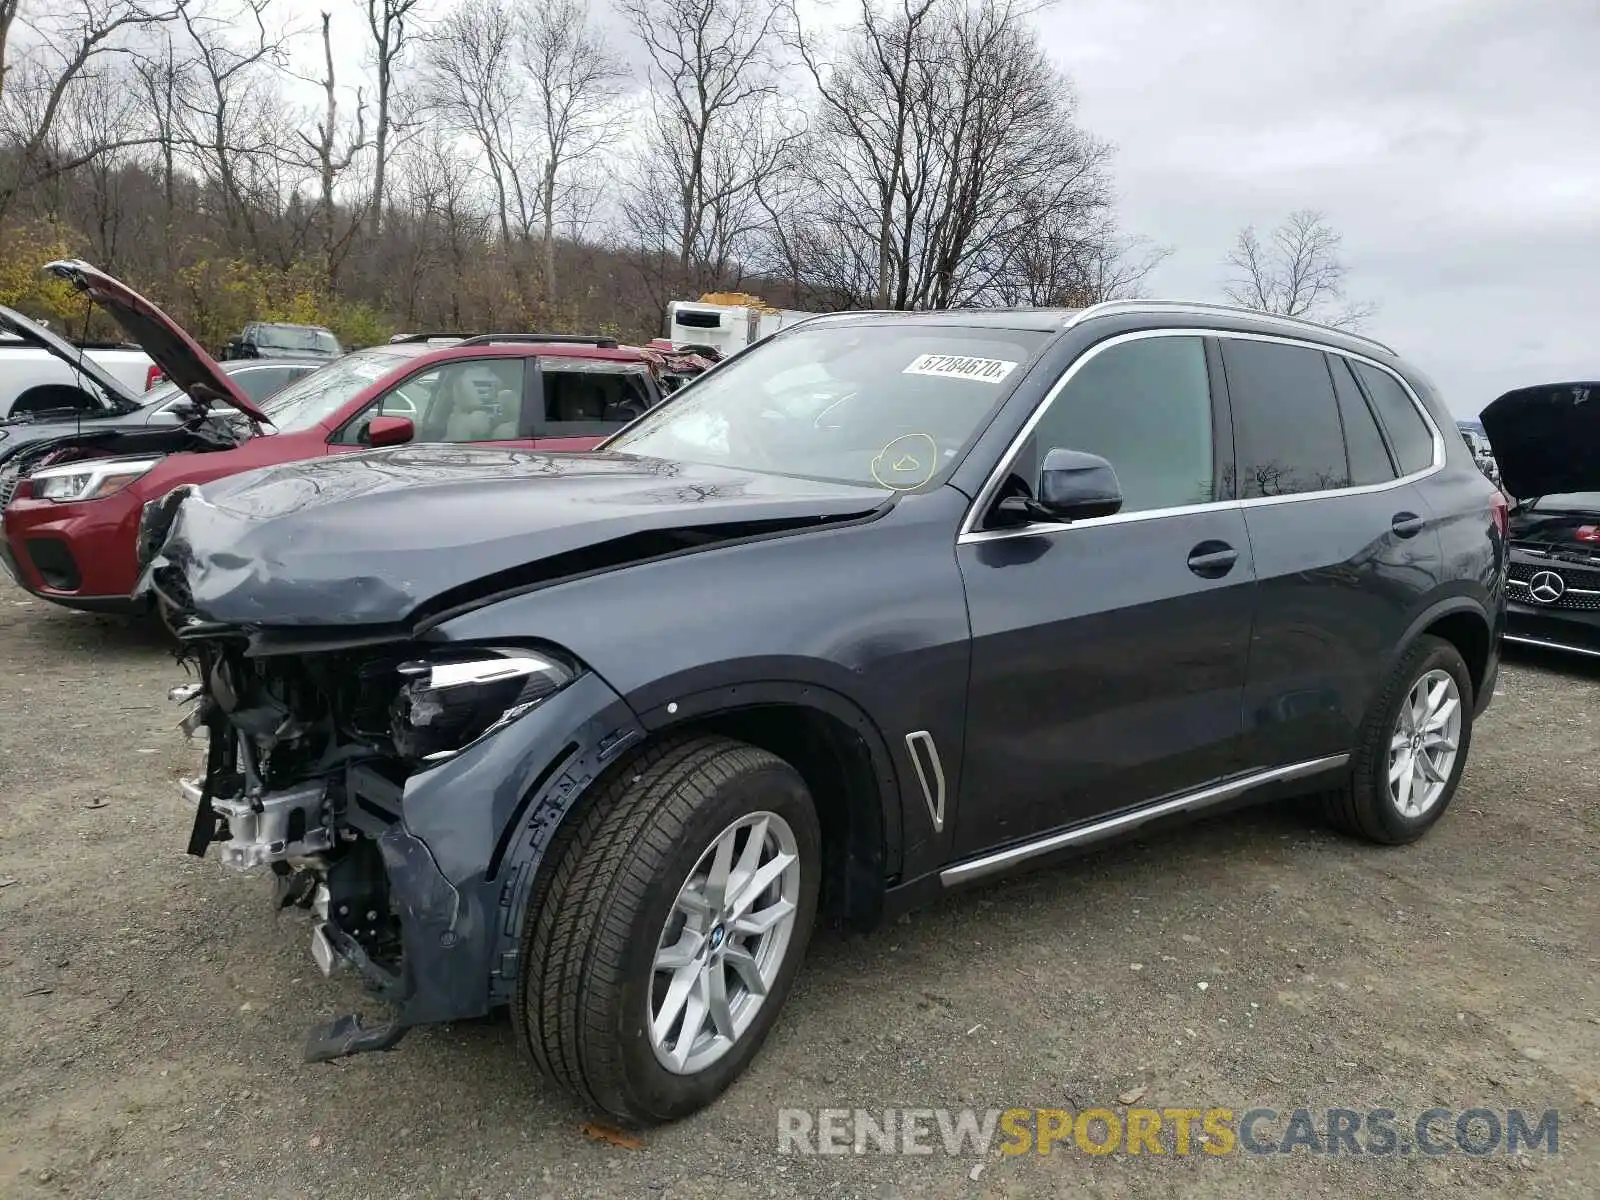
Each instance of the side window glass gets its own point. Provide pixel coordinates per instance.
(475, 400)
(1285, 419)
(586, 395)
(1145, 407)
(258, 385)
(1408, 433)
(1369, 458)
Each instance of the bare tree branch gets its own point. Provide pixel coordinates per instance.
(1299, 272)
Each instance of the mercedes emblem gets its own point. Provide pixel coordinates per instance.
(1546, 587)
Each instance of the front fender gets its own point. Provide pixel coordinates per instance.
(668, 709)
(474, 832)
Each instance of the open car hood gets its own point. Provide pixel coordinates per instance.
(1546, 438)
(177, 354)
(115, 395)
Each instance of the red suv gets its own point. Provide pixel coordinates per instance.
(71, 524)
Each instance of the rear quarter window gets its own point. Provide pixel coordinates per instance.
(1409, 434)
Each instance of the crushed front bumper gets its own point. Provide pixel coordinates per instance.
(459, 844)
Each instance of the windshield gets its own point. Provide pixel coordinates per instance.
(316, 397)
(160, 394)
(282, 337)
(890, 406)
(1575, 502)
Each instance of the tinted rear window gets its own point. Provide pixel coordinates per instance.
(1369, 460)
(1408, 433)
(1285, 419)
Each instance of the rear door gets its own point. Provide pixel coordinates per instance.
(581, 401)
(1345, 547)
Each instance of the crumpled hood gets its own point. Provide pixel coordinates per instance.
(369, 538)
(1546, 439)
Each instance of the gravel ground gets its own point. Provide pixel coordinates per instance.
(153, 1008)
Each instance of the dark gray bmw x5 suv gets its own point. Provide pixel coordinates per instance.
(884, 605)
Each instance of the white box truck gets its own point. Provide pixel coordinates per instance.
(725, 321)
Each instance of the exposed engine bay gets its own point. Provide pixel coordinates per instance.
(307, 760)
(198, 435)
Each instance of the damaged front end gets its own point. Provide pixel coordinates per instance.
(312, 761)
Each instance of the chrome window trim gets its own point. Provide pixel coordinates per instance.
(1201, 308)
(969, 533)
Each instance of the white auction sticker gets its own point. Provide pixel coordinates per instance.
(958, 366)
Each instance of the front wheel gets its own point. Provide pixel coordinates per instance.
(1411, 749)
(671, 928)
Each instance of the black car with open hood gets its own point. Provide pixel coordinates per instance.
(1546, 439)
(882, 605)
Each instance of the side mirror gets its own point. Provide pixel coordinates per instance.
(1073, 485)
(388, 431)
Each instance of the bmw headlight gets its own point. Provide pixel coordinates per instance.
(450, 701)
(91, 479)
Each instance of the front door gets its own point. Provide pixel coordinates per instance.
(461, 400)
(1108, 654)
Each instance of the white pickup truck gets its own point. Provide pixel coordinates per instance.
(34, 380)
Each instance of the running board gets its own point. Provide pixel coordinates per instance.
(1001, 860)
(1523, 640)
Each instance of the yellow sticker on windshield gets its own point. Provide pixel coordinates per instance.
(906, 462)
(959, 366)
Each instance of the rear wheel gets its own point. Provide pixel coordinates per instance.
(1411, 749)
(671, 928)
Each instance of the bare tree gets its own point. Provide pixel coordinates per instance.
(161, 75)
(391, 37)
(1298, 272)
(476, 89)
(1065, 262)
(332, 162)
(8, 16)
(72, 46)
(233, 118)
(952, 146)
(713, 130)
(575, 78)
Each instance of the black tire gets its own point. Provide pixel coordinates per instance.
(1365, 808)
(595, 920)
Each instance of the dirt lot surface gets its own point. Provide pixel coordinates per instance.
(153, 1007)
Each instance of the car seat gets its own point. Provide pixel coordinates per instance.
(510, 416)
(469, 419)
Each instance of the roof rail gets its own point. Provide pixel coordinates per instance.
(553, 339)
(405, 338)
(1201, 308)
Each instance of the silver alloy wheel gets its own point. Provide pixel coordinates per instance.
(1422, 749)
(724, 942)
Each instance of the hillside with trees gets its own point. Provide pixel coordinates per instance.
(501, 165)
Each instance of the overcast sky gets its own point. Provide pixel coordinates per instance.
(1454, 143)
